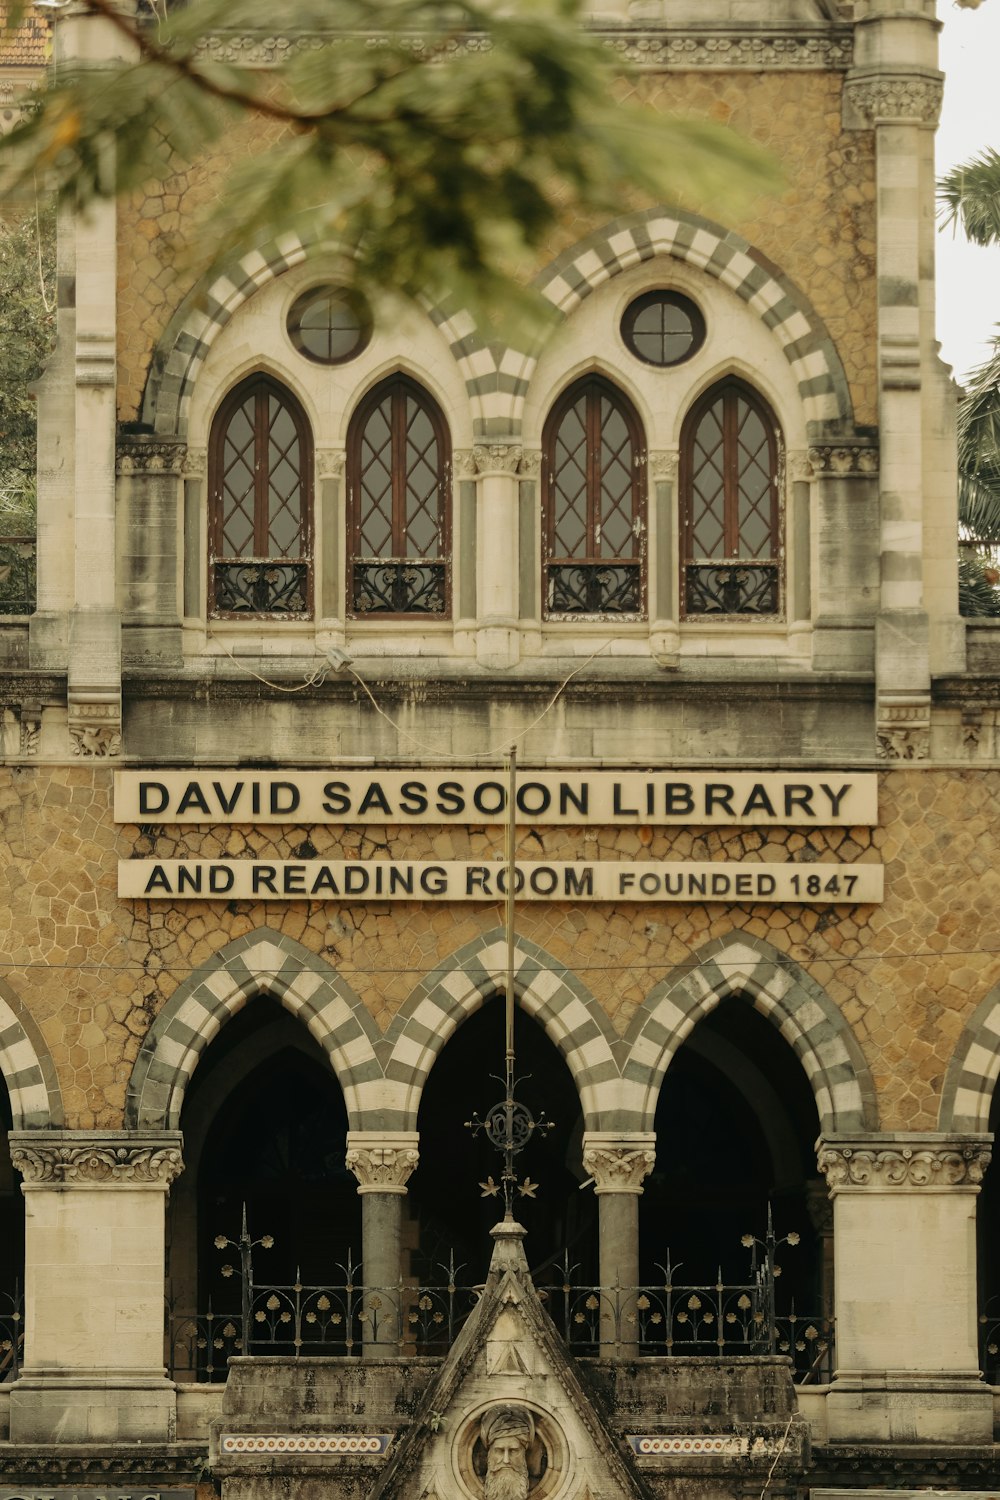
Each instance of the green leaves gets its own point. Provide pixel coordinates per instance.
(979, 490)
(969, 195)
(442, 144)
(27, 334)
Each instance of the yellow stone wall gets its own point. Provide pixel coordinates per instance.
(94, 971)
(820, 232)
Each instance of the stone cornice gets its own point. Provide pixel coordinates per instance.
(651, 48)
(84, 1158)
(382, 1161)
(140, 454)
(618, 1163)
(901, 1162)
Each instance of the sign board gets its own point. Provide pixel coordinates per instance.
(636, 798)
(466, 880)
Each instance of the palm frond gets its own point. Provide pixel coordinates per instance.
(979, 420)
(969, 195)
(978, 594)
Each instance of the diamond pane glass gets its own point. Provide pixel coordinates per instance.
(570, 483)
(422, 469)
(375, 529)
(237, 496)
(616, 536)
(754, 460)
(284, 483)
(708, 508)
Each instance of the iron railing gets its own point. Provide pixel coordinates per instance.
(18, 572)
(667, 1318)
(11, 1332)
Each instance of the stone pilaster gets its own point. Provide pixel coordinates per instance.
(94, 1274)
(618, 1164)
(905, 1250)
(149, 510)
(383, 1162)
(495, 468)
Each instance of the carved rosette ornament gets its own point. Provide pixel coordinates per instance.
(382, 1163)
(895, 98)
(843, 460)
(71, 1160)
(917, 1164)
(618, 1164)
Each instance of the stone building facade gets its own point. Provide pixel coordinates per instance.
(306, 571)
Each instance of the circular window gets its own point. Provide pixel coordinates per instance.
(663, 328)
(329, 325)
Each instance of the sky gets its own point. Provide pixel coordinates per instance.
(968, 300)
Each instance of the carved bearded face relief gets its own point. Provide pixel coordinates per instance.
(506, 1433)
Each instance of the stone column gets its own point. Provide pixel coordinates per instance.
(907, 1365)
(382, 1161)
(148, 511)
(618, 1164)
(94, 1282)
(496, 467)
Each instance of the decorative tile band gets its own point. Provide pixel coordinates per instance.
(692, 1444)
(337, 1444)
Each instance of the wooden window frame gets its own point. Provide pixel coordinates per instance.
(399, 387)
(730, 391)
(594, 387)
(262, 387)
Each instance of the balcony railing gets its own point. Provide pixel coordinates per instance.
(17, 575)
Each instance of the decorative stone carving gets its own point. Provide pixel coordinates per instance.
(843, 460)
(872, 1165)
(382, 1163)
(139, 454)
(972, 728)
(100, 1162)
(507, 1432)
(900, 98)
(664, 464)
(95, 728)
(195, 463)
(618, 1166)
(488, 458)
(640, 46)
(31, 728)
(903, 731)
(330, 463)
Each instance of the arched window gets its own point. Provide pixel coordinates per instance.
(594, 503)
(260, 504)
(731, 521)
(399, 504)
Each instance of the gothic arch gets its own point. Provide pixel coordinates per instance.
(805, 1015)
(27, 1068)
(971, 1078)
(262, 961)
(497, 378)
(546, 990)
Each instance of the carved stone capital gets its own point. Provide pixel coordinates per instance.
(664, 464)
(382, 1161)
(330, 462)
(195, 464)
(138, 453)
(618, 1163)
(95, 726)
(909, 98)
(91, 1158)
(843, 459)
(882, 1164)
(903, 730)
(488, 458)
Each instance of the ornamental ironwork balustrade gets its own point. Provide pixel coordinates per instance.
(18, 575)
(593, 588)
(399, 587)
(11, 1332)
(732, 588)
(989, 1340)
(667, 1318)
(261, 588)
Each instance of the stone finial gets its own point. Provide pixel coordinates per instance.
(84, 1158)
(618, 1163)
(382, 1161)
(882, 1163)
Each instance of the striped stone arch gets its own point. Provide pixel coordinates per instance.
(972, 1073)
(497, 378)
(27, 1068)
(262, 962)
(804, 1014)
(546, 990)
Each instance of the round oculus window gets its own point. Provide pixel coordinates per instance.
(328, 325)
(663, 328)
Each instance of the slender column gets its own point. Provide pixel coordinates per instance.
(382, 1161)
(496, 468)
(905, 1295)
(618, 1164)
(663, 560)
(94, 1275)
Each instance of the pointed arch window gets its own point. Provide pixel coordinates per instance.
(732, 530)
(399, 504)
(593, 503)
(260, 504)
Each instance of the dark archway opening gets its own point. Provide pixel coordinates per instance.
(988, 1261)
(446, 1195)
(266, 1128)
(11, 1251)
(736, 1125)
